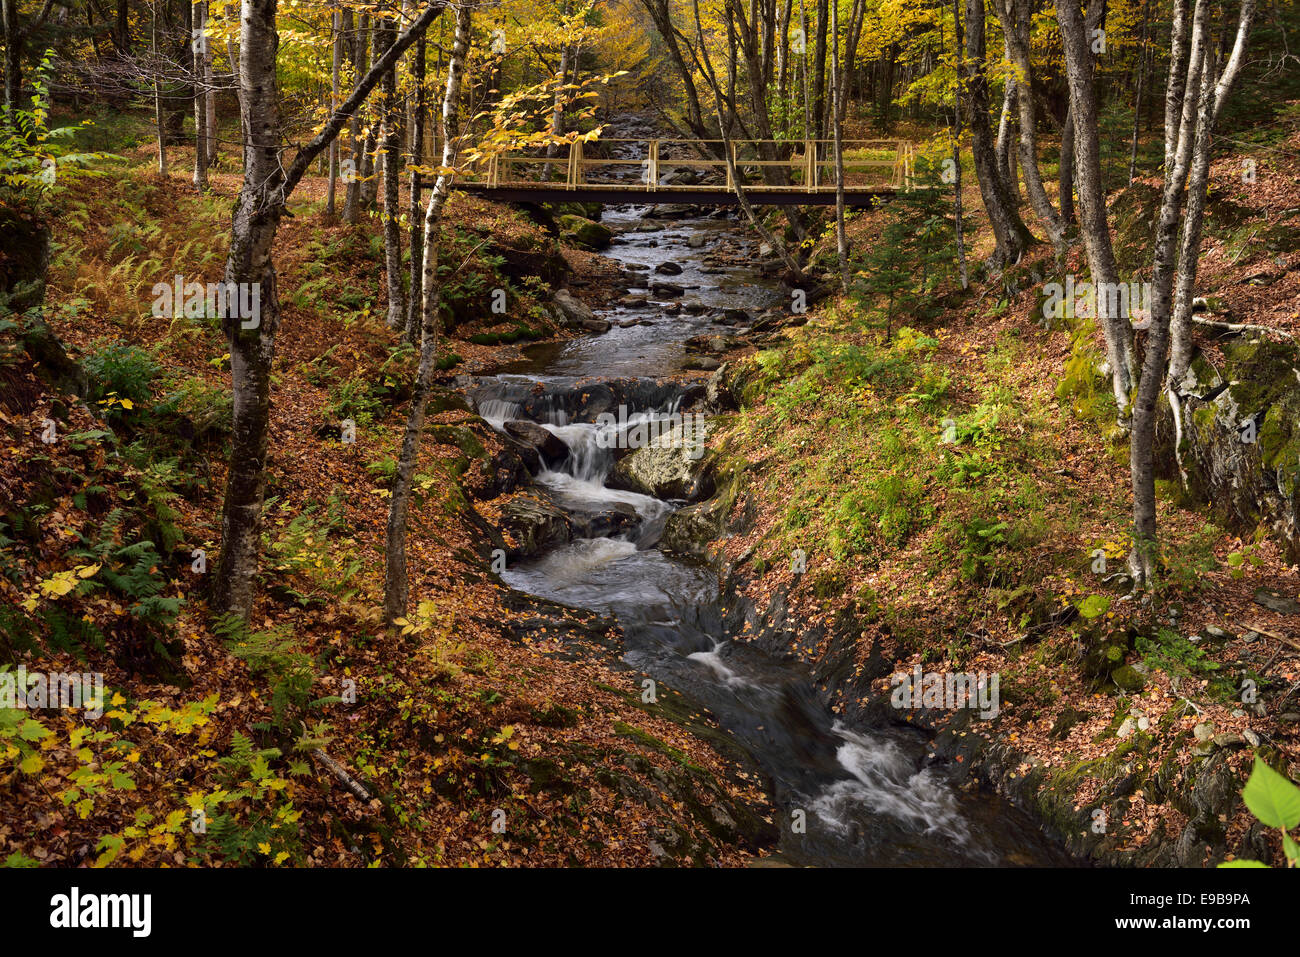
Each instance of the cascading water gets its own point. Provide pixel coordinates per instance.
(865, 797)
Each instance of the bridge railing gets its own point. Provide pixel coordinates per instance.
(650, 165)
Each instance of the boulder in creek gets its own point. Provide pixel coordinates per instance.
(573, 309)
(667, 289)
(618, 518)
(597, 326)
(549, 446)
(584, 233)
(699, 345)
(668, 268)
(697, 240)
(672, 466)
(671, 211)
(534, 524)
(688, 531)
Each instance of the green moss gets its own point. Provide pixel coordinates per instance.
(648, 740)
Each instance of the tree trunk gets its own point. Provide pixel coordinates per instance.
(819, 68)
(384, 37)
(258, 210)
(396, 581)
(1141, 89)
(837, 93)
(352, 171)
(557, 105)
(14, 37)
(1075, 34)
(415, 296)
(1066, 171)
(336, 25)
(369, 153)
(1015, 15)
(956, 148)
(200, 102)
(1009, 230)
(157, 96)
(211, 149)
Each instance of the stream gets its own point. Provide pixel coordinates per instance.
(869, 795)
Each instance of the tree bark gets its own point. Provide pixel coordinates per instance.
(1015, 17)
(1009, 230)
(415, 296)
(258, 210)
(837, 92)
(352, 178)
(336, 24)
(385, 34)
(200, 100)
(1075, 34)
(396, 580)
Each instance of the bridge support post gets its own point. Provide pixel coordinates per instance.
(654, 165)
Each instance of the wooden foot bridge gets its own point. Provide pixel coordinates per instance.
(775, 172)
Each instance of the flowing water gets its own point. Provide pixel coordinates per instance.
(868, 795)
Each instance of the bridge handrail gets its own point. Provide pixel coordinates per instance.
(809, 156)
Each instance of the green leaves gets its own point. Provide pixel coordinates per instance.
(1275, 801)
(1272, 798)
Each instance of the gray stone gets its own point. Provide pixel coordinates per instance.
(573, 309)
(548, 445)
(673, 466)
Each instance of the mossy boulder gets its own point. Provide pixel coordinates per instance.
(585, 233)
(673, 465)
(1241, 438)
(1128, 679)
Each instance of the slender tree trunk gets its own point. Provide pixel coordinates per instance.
(1066, 171)
(396, 580)
(557, 106)
(1180, 354)
(808, 131)
(1075, 34)
(258, 210)
(200, 102)
(725, 124)
(415, 296)
(13, 65)
(385, 34)
(1141, 89)
(159, 122)
(837, 92)
(1009, 230)
(1014, 15)
(956, 148)
(336, 26)
(212, 151)
(819, 68)
(374, 130)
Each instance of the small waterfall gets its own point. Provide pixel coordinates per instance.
(497, 412)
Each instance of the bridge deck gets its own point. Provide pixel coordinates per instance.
(611, 193)
(781, 173)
